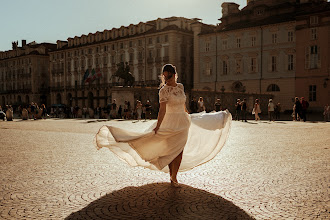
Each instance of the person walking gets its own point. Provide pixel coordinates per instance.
(244, 109)
(297, 109)
(271, 109)
(238, 108)
(171, 144)
(304, 107)
(256, 110)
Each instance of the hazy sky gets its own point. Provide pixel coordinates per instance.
(51, 20)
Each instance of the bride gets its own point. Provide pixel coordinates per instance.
(177, 141)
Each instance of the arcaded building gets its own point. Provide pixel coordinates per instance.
(144, 48)
(258, 49)
(24, 74)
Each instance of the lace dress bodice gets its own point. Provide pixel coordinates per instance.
(174, 97)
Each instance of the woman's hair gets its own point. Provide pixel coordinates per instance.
(257, 100)
(201, 98)
(167, 68)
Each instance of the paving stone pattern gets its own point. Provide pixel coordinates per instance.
(267, 170)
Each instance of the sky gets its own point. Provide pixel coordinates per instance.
(52, 20)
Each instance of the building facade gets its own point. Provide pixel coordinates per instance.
(254, 50)
(143, 48)
(313, 54)
(24, 74)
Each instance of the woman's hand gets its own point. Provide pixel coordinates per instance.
(156, 129)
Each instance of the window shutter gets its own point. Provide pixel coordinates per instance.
(307, 59)
(318, 57)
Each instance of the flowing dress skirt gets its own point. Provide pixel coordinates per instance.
(200, 136)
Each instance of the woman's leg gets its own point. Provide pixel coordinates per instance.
(174, 167)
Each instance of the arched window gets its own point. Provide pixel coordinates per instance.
(273, 88)
(237, 86)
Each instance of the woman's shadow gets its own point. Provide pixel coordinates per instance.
(160, 201)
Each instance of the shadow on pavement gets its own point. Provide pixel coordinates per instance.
(160, 201)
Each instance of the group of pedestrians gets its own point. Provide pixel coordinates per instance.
(300, 109)
(126, 111)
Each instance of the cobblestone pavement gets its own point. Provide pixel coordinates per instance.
(267, 170)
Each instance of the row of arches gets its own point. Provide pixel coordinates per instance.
(19, 100)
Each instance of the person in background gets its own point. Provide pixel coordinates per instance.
(244, 109)
(277, 110)
(217, 105)
(271, 109)
(304, 107)
(238, 107)
(297, 109)
(256, 110)
(201, 106)
(193, 105)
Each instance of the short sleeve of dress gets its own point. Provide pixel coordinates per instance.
(163, 95)
(180, 86)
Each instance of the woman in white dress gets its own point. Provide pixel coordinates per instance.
(177, 141)
(201, 106)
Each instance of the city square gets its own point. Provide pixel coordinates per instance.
(50, 169)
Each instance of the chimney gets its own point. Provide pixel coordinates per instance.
(23, 43)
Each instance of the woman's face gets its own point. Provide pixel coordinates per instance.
(168, 76)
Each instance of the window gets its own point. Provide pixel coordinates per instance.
(97, 49)
(207, 68)
(121, 45)
(166, 51)
(274, 38)
(140, 55)
(140, 42)
(273, 88)
(314, 20)
(158, 40)
(225, 67)
(105, 58)
(207, 46)
(158, 52)
(238, 42)
(105, 48)
(290, 36)
(90, 51)
(313, 34)
(312, 57)
(238, 66)
(130, 44)
(290, 62)
(274, 64)
(150, 53)
(312, 93)
(253, 41)
(131, 57)
(253, 65)
(166, 38)
(224, 44)
(121, 57)
(150, 40)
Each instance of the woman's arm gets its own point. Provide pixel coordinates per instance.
(161, 114)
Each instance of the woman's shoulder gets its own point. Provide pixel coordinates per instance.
(180, 85)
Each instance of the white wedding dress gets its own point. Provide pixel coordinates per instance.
(200, 136)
